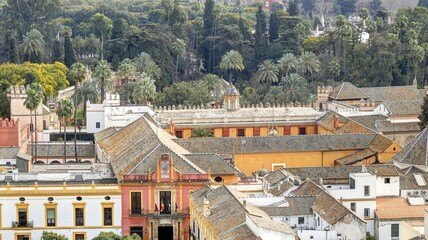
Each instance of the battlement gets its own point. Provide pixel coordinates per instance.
(17, 91)
(324, 89)
(6, 123)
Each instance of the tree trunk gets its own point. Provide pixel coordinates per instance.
(65, 139)
(84, 109)
(35, 138)
(126, 91)
(176, 68)
(75, 121)
(102, 90)
(31, 136)
(102, 47)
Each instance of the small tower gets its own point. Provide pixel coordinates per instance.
(231, 98)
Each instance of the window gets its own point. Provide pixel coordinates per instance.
(50, 217)
(366, 212)
(302, 131)
(135, 203)
(353, 206)
(395, 230)
(79, 213)
(366, 190)
(165, 202)
(179, 134)
(21, 236)
(97, 125)
(79, 236)
(351, 183)
(136, 230)
(318, 221)
(387, 180)
(301, 220)
(108, 216)
(241, 132)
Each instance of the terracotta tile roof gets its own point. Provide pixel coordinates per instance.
(228, 215)
(404, 107)
(384, 170)
(136, 148)
(298, 143)
(280, 188)
(275, 177)
(104, 133)
(397, 208)
(330, 209)
(415, 152)
(385, 126)
(297, 206)
(393, 93)
(369, 121)
(212, 162)
(356, 157)
(347, 91)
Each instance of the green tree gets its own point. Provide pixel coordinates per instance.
(293, 9)
(308, 5)
(346, 7)
(183, 93)
(267, 72)
(273, 28)
(57, 52)
(333, 70)
(102, 26)
(69, 56)
(144, 90)
(297, 88)
(309, 63)
(287, 63)
(275, 94)
(107, 236)
(86, 91)
(10, 49)
(213, 84)
(103, 73)
(33, 46)
(52, 236)
(33, 100)
(423, 116)
(126, 71)
(232, 60)
(179, 47)
(423, 3)
(64, 111)
(77, 73)
(260, 36)
(375, 6)
(144, 63)
(207, 31)
(202, 132)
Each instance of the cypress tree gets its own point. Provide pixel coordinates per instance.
(207, 31)
(57, 52)
(243, 29)
(6, 46)
(292, 8)
(69, 57)
(13, 52)
(273, 28)
(260, 39)
(424, 114)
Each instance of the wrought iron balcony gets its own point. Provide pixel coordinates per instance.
(22, 224)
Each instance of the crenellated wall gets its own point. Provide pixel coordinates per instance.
(10, 133)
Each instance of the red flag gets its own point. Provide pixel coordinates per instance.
(156, 207)
(162, 207)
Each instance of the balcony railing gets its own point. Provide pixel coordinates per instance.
(144, 178)
(152, 213)
(136, 212)
(22, 224)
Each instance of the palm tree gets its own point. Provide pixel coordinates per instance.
(178, 47)
(86, 91)
(309, 63)
(334, 70)
(78, 74)
(213, 84)
(126, 70)
(145, 63)
(267, 72)
(32, 45)
(202, 132)
(232, 60)
(275, 94)
(64, 111)
(103, 73)
(296, 88)
(144, 90)
(288, 62)
(34, 98)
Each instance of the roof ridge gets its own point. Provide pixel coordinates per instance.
(150, 153)
(414, 143)
(410, 86)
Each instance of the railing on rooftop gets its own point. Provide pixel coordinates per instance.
(144, 178)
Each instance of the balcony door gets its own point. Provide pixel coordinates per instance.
(165, 202)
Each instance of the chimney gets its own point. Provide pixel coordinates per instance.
(244, 203)
(335, 121)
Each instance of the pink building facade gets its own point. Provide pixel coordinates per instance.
(155, 205)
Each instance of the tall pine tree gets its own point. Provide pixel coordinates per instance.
(69, 57)
(57, 52)
(208, 31)
(273, 28)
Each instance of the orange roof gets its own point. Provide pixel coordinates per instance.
(396, 208)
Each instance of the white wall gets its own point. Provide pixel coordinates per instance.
(64, 221)
(361, 180)
(388, 189)
(267, 234)
(353, 230)
(94, 114)
(293, 221)
(384, 230)
(318, 235)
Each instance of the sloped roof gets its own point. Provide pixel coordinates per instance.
(297, 206)
(356, 157)
(228, 215)
(408, 182)
(136, 147)
(315, 173)
(56, 150)
(297, 143)
(385, 170)
(275, 176)
(369, 121)
(8, 152)
(415, 152)
(330, 209)
(393, 93)
(213, 163)
(387, 126)
(388, 208)
(280, 188)
(346, 125)
(104, 133)
(404, 107)
(346, 91)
